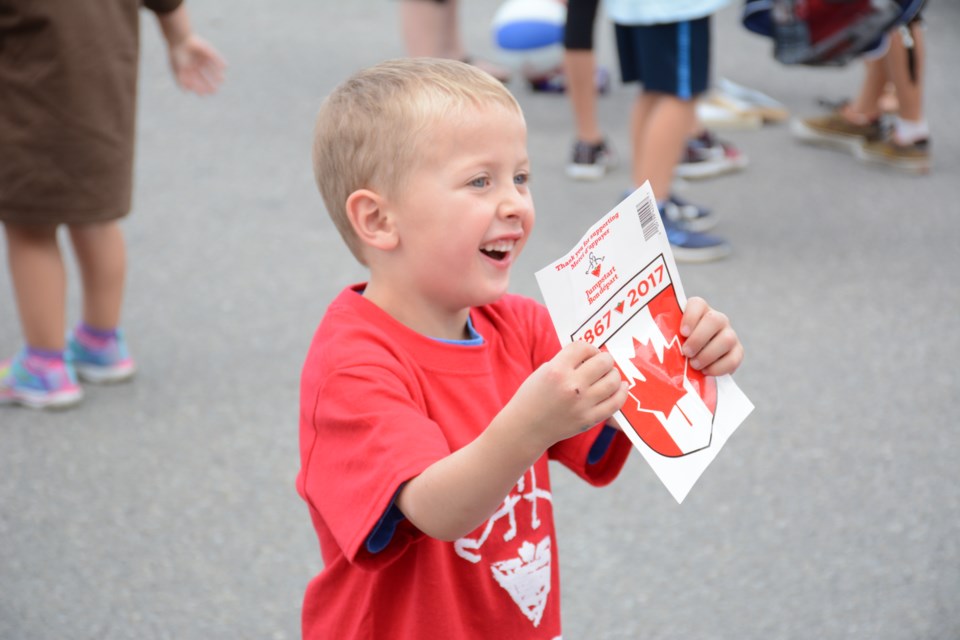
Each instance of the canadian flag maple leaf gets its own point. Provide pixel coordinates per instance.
(671, 406)
(664, 380)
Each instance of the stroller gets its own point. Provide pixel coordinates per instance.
(826, 32)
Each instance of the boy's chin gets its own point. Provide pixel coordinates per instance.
(491, 294)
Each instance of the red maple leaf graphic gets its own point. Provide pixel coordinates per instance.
(664, 380)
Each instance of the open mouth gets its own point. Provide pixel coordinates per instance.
(497, 250)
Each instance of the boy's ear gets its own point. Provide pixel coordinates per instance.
(370, 221)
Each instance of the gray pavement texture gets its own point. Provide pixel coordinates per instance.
(166, 508)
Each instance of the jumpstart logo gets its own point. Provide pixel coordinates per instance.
(593, 264)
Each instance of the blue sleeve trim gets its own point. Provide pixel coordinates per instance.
(601, 444)
(382, 533)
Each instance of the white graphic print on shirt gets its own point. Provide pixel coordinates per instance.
(526, 577)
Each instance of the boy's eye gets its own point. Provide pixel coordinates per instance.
(479, 182)
(521, 179)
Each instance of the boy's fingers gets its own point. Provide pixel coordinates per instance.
(722, 344)
(729, 363)
(577, 352)
(696, 308)
(710, 324)
(595, 367)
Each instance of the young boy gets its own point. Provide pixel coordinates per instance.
(431, 399)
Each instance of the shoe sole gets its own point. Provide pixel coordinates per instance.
(699, 171)
(105, 375)
(852, 144)
(917, 166)
(586, 171)
(59, 401)
(681, 254)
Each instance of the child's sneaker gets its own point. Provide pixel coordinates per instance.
(834, 130)
(755, 101)
(691, 246)
(707, 156)
(38, 383)
(687, 216)
(591, 161)
(556, 81)
(100, 359)
(913, 157)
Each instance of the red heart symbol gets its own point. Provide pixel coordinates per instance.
(619, 307)
(596, 271)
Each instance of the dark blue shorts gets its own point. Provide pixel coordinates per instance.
(669, 58)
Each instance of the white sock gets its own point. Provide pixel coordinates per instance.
(910, 131)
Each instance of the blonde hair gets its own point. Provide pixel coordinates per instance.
(369, 131)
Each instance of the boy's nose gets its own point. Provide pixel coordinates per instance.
(514, 204)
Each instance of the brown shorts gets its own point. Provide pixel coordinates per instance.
(68, 78)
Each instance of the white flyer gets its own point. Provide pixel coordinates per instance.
(619, 289)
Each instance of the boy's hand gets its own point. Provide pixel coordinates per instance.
(711, 343)
(577, 389)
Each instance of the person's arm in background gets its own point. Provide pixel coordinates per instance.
(196, 65)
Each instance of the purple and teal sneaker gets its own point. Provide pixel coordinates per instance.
(100, 357)
(38, 382)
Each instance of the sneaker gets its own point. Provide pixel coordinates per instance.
(686, 215)
(750, 100)
(913, 157)
(707, 156)
(834, 130)
(100, 360)
(38, 383)
(556, 81)
(591, 161)
(692, 246)
(716, 115)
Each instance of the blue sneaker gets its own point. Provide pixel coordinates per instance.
(693, 246)
(685, 215)
(100, 360)
(38, 383)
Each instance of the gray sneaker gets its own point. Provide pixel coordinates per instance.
(591, 161)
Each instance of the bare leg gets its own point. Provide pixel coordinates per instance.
(452, 41)
(661, 124)
(39, 283)
(580, 66)
(909, 88)
(640, 111)
(424, 27)
(432, 29)
(866, 106)
(101, 256)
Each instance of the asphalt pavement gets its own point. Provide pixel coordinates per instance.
(166, 508)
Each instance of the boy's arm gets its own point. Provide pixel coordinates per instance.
(197, 66)
(578, 388)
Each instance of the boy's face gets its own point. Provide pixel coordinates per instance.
(464, 211)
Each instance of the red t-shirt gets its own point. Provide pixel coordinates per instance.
(379, 404)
